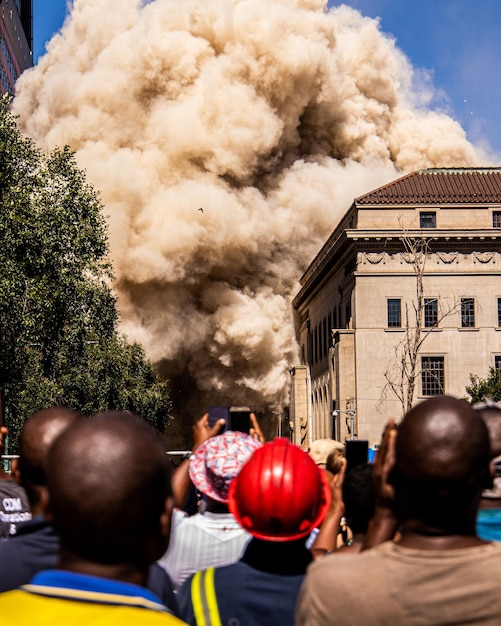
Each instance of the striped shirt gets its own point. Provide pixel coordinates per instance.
(202, 541)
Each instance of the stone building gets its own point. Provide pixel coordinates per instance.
(409, 281)
(16, 41)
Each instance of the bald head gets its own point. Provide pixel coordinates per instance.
(442, 456)
(109, 481)
(37, 436)
(441, 439)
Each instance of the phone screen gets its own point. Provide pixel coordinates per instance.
(240, 418)
(216, 413)
(356, 452)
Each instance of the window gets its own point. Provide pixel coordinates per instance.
(430, 312)
(432, 375)
(394, 313)
(467, 312)
(427, 219)
(497, 363)
(496, 219)
(499, 311)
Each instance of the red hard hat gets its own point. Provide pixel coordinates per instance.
(279, 494)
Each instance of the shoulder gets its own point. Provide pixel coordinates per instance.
(160, 583)
(345, 558)
(178, 516)
(342, 570)
(11, 488)
(332, 586)
(19, 607)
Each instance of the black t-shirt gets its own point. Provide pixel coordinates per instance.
(14, 507)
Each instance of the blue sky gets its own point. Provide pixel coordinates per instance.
(457, 41)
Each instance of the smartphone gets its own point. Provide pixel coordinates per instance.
(219, 412)
(356, 452)
(239, 417)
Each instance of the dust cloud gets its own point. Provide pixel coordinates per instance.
(227, 138)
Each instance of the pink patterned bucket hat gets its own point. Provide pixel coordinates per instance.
(218, 460)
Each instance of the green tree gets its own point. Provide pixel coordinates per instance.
(59, 339)
(482, 389)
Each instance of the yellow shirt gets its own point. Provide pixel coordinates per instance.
(56, 597)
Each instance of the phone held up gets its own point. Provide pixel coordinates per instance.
(356, 452)
(236, 417)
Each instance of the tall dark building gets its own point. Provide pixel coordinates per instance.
(16, 41)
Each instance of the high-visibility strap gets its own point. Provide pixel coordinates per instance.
(203, 598)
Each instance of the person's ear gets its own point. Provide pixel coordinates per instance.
(393, 476)
(43, 494)
(14, 470)
(492, 467)
(488, 482)
(165, 518)
(160, 542)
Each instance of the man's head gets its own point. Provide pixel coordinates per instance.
(37, 436)
(320, 451)
(335, 462)
(109, 489)
(490, 412)
(442, 456)
(280, 495)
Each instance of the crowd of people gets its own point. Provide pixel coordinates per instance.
(98, 529)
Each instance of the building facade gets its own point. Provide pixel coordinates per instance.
(16, 41)
(401, 303)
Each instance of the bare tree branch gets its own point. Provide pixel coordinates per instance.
(404, 370)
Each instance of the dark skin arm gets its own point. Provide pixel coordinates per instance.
(255, 430)
(383, 525)
(326, 539)
(201, 432)
(181, 478)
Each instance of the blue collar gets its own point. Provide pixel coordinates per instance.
(74, 586)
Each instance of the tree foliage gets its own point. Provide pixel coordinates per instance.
(483, 389)
(59, 339)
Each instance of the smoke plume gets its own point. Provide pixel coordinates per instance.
(227, 138)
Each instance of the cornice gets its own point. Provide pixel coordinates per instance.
(351, 241)
(432, 234)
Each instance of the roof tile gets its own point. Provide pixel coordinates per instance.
(440, 186)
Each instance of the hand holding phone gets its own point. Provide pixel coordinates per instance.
(216, 413)
(239, 417)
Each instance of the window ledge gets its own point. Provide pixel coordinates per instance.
(431, 329)
(397, 329)
(469, 330)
